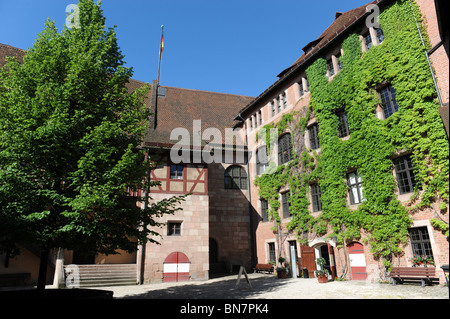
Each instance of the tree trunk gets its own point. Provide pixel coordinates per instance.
(42, 279)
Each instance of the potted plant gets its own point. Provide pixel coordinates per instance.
(422, 261)
(282, 270)
(322, 274)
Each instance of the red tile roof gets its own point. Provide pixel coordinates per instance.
(180, 107)
(7, 50)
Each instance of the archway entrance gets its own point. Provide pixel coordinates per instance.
(176, 267)
(357, 261)
(326, 251)
(325, 254)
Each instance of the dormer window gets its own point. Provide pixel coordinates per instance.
(308, 48)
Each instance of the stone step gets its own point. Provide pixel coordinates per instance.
(107, 275)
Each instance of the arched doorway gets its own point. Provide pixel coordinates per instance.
(325, 254)
(326, 251)
(176, 267)
(357, 261)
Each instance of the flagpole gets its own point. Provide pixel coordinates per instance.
(161, 47)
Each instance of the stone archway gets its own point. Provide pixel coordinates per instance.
(322, 248)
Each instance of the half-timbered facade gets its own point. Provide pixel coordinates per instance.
(212, 231)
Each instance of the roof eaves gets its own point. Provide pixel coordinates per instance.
(314, 53)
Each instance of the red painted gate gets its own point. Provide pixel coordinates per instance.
(176, 267)
(357, 261)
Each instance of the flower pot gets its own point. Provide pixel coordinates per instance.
(322, 279)
(281, 274)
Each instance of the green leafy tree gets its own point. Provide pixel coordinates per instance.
(70, 136)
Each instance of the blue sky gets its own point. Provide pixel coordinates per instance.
(227, 46)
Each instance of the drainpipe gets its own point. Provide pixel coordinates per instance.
(250, 207)
(427, 53)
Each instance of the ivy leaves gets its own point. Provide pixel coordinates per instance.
(415, 128)
(70, 134)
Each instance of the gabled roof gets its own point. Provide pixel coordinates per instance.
(180, 107)
(342, 23)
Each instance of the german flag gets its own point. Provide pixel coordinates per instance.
(161, 48)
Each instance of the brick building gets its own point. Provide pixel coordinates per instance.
(213, 229)
(291, 95)
(225, 221)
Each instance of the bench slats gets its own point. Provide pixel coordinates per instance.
(264, 267)
(413, 273)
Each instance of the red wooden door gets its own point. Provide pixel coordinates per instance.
(308, 260)
(357, 261)
(176, 267)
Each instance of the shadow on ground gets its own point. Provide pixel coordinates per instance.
(221, 289)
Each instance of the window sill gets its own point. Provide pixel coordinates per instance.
(353, 207)
(312, 151)
(285, 163)
(316, 214)
(303, 96)
(404, 197)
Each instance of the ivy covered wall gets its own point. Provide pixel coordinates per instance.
(415, 129)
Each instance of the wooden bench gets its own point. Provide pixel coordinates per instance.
(266, 268)
(424, 274)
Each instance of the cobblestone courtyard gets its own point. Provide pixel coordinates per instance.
(269, 287)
